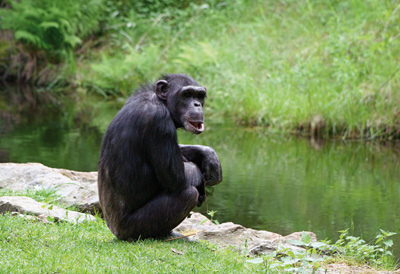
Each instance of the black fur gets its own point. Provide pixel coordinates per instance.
(148, 183)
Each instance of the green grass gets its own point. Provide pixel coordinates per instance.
(34, 247)
(28, 246)
(314, 67)
(40, 195)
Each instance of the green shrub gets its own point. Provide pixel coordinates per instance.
(121, 73)
(316, 254)
(55, 26)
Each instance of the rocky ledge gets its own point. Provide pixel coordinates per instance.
(71, 187)
(80, 189)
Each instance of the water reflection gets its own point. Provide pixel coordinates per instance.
(286, 185)
(276, 183)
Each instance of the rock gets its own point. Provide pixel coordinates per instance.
(256, 242)
(74, 188)
(25, 205)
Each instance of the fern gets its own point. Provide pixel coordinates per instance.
(28, 38)
(55, 26)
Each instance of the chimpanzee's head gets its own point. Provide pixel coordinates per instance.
(184, 98)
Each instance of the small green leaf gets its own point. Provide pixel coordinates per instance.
(255, 261)
(202, 222)
(388, 243)
(210, 191)
(388, 253)
(296, 242)
(317, 245)
(305, 238)
(289, 260)
(291, 254)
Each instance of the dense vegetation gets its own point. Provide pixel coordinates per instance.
(322, 68)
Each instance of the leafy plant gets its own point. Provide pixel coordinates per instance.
(314, 253)
(376, 254)
(211, 213)
(53, 26)
(285, 259)
(46, 33)
(120, 73)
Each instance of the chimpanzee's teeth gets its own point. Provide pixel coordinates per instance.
(197, 125)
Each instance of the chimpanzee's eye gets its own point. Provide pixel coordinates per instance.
(186, 94)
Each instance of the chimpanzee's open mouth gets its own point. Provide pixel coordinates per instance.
(197, 127)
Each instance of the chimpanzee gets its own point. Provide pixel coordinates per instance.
(147, 182)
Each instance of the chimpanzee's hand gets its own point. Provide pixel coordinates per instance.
(211, 167)
(206, 159)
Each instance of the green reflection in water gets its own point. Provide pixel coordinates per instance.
(275, 183)
(287, 185)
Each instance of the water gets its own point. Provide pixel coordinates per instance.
(271, 182)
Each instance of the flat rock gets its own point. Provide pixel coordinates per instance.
(74, 188)
(255, 242)
(26, 205)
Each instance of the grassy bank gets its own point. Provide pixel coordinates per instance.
(28, 246)
(322, 68)
(33, 247)
(89, 247)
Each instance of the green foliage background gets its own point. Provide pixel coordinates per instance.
(322, 68)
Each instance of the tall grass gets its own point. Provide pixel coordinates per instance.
(315, 67)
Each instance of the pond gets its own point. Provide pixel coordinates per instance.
(271, 182)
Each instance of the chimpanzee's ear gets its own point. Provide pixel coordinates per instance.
(162, 89)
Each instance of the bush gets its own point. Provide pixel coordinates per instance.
(55, 26)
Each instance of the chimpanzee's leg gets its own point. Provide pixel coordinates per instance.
(164, 212)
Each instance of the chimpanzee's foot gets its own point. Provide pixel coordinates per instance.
(174, 234)
(171, 235)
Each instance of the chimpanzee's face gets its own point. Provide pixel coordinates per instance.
(190, 106)
(184, 98)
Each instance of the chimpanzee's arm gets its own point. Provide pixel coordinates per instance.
(165, 157)
(206, 159)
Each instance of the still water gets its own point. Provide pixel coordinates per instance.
(271, 182)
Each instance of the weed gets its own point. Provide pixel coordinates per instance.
(347, 248)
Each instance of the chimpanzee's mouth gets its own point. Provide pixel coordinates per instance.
(196, 127)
